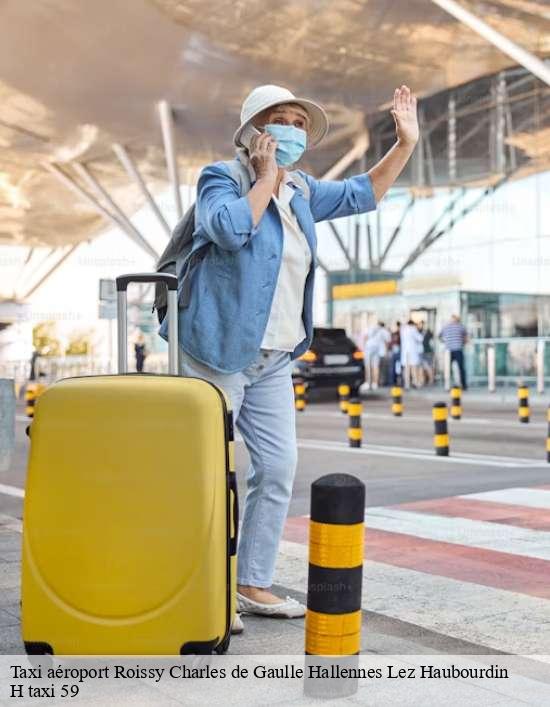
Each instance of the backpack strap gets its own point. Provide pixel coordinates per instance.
(240, 174)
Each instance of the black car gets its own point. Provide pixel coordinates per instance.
(332, 359)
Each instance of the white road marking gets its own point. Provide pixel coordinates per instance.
(533, 498)
(418, 453)
(497, 618)
(462, 531)
(10, 523)
(12, 491)
(421, 453)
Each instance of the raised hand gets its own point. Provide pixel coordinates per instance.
(405, 116)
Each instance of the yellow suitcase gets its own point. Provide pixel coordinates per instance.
(130, 513)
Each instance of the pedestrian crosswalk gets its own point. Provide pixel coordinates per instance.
(475, 567)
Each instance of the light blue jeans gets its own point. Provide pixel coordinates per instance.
(262, 399)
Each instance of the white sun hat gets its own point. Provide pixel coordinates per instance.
(263, 97)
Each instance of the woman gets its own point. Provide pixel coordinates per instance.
(249, 311)
(411, 354)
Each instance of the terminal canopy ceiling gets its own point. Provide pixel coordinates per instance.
(76, 77)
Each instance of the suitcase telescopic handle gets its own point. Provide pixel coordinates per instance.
(171, 282)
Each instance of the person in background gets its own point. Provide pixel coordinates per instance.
(454, 336)
(411, 349)
(395, 355)
(140, 351)
(427, 352)
(375, 347)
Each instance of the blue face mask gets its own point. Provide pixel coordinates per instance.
(291, 143)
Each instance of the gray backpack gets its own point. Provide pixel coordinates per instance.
(179, 258)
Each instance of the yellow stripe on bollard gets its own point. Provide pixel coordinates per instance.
(336, 534)
(441, 440)
(440, 413)
(354, 409)
(337, 557)
(344, 392)
(334, 624)
(336, 546)
(318, 644)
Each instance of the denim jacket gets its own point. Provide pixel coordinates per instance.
(232, 285)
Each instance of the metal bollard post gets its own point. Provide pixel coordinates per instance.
(300, 396)
(447, 369)
(491, 368)
(456, 402)
(335, 577)
(344, 393)
(441, 436)
(355, 431)
(540, 365)
(397, 401)
(7, 422)
(523, 403)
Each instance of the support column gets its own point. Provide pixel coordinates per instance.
(167, 125)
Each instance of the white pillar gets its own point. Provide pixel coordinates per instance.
(447, 369)
(540, 365)
(491, 368)
(7, 422)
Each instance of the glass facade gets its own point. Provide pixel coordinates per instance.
(514, 322)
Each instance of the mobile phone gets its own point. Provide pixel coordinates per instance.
(248, 133)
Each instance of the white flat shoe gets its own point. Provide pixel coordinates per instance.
(288, 609)
(237, 626)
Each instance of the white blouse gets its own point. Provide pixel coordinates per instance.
(285, 328)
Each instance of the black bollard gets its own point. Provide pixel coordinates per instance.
(523, 403)
(333, 618)
(397, 401)
(456, 402)
(355, 430)
(441, 436)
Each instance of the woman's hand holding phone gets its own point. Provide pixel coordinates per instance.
(262, 156)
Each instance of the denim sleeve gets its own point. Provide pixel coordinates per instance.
(334, 199)
(224, 215)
